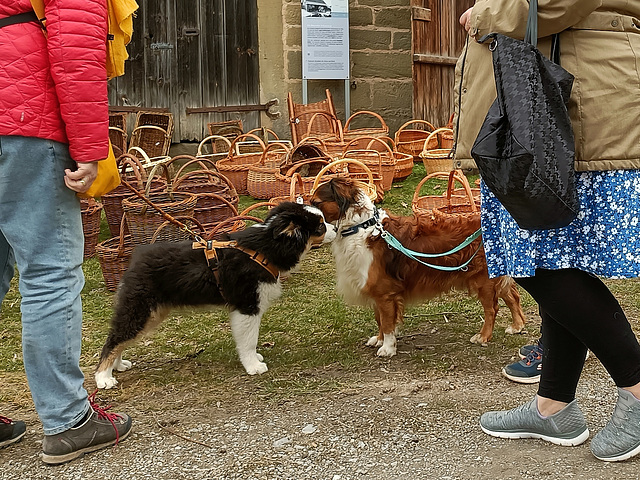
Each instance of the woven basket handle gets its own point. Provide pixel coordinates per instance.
(372, 140)
(234, 145)
(152, 173)
(123, 224)
(355, 153)
(387, 142)
(273, 146)
(433, 134)
(296, 179)
(417, 122)
(383, 124)
(208, 139)
(416, 194)
(296, 166)
(226, 221)
(184, 219)
(178, 181)
(460, 177)
(336, 127)
(202, 162)
(343, 161)
(129, 161)
(265, 132)
(256, 206)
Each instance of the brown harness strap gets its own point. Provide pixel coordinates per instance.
(210, 247)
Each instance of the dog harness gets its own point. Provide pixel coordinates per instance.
(210, 248)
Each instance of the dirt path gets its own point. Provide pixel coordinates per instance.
(393, 423)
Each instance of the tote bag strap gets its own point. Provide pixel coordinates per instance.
(531, 34)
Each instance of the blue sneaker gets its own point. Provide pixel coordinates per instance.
(528, 369)
(525, 350)
(11, 431)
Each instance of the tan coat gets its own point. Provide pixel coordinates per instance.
(599, 45)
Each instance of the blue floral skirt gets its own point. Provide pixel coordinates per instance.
(603, 240)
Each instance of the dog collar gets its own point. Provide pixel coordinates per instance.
(366, 224)
(210, 247)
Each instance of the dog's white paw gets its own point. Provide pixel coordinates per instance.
(476, 339)
(512, 331)
(122, 365)
(374, 342)
(260, 357)
(105, 380)
(256, 368)
(386, 351)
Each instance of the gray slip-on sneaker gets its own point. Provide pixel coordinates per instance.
(620, 438)
(568, 427)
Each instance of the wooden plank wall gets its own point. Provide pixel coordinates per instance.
(437, 40)
(200, 53)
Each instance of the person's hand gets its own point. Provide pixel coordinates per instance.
(81, 179)
(465, 19)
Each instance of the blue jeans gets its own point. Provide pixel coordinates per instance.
(41, 225)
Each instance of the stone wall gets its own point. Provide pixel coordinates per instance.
(380, 42)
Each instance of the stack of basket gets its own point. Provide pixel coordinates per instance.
(235, 166)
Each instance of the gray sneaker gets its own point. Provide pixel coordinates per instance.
(567, 427)
(100, 430)
(620, 438)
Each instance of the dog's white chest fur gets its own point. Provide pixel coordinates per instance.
(354, 258)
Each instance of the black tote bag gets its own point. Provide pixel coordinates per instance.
(525, 149)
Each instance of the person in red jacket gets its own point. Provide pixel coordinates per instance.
(53, 129)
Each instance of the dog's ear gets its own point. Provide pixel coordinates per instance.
(340, 189)
(285, 224)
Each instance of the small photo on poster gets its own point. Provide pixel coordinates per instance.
(316, 8)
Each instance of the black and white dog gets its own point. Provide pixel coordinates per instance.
(243, 274)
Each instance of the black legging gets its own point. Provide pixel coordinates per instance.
(578, 312)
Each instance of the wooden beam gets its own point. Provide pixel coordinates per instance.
(437, 59)
(421, 13)
(116, 108)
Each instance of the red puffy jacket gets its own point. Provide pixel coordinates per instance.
(56, 87)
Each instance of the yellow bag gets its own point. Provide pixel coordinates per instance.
(107, 179)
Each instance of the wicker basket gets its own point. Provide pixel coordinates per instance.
(425, 204)
(377, 155)
(307, 171)
(91, 218)
(297, 192)
(167, 230)
(261, 178)
(436, 159)
(152, 133)
(411, 140)
(221, 134)
(216, 196)
(114, 256)
(143, 220)
(333, 143)
(146, 161)
(378, 131)
(340, 168)
(236, 165)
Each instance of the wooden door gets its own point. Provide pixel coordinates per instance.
(201, 53)
(437, 40)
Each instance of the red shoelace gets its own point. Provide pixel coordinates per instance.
(103, 414)
(5, 420)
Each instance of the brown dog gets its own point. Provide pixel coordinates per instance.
(369, 272)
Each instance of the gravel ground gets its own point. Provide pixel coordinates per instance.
(393, 426)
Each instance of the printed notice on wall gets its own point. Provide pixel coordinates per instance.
(325, 39)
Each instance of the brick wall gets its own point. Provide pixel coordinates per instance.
(380, 43)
